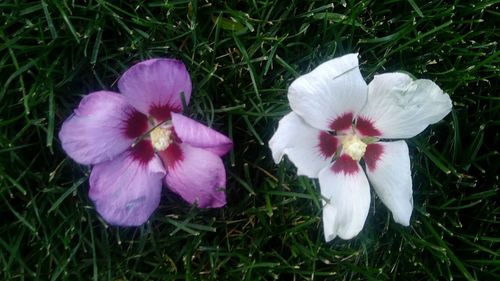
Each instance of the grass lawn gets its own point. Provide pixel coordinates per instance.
(242, 56)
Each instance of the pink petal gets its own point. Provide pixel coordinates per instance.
(103, 126)
(127, 189)
(400, 107)
(172, 156)
(199, 135)
(331, 95)
(308, 148)
(154, 87)
(390, 176)
(347, 199)
(198, 177)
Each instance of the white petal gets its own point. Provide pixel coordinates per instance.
(400, 107)
(333, 90)
(308, 148)
(347, 198)
(388, 168)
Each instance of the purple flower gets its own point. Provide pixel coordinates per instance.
(137, 140)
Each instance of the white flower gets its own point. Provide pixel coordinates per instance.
(337, 120)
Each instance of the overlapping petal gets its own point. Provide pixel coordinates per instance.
(198, 176)
(103, 126)
(400, 107)
(199, 135)
(346, 193)
(388, 168)
(308, 148)
(154, 87)
(127, 189)
(331, 95)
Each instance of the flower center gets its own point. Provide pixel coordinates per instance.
(161, 137)
(354, 147)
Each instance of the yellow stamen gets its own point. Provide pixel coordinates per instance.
(161, 138)
(354, 147)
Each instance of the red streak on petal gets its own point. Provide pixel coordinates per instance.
(365, 127)
(343, 122)
(328, 144)
(175, 137)
(162, 112)
(143, 151)
(136, 124)
(172, 155)
(373, 153)
(345, 164)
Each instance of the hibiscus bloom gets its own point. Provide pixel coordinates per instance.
(338, 120)
(137, 140)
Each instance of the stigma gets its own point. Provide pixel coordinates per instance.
(354, 147)
(161, 138)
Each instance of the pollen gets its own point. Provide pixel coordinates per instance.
(161, 138)
(354, 147)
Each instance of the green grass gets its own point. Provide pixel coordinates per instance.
(242, 55)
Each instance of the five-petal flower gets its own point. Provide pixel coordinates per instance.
(137, 140)
(338, 120)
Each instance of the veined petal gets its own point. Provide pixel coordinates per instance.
(346, 195)
(388, 168)
(103, 126)
(154, 87)
(198, 176)
(331, 95)
(199, 135)
(127, 189)
(308, 148)
(400, 107)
